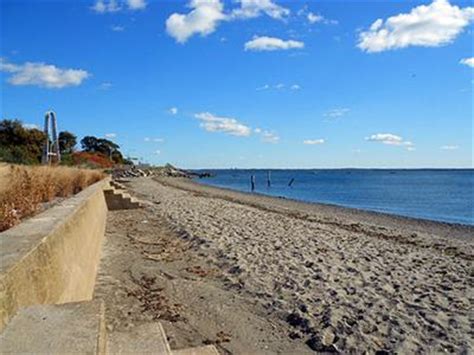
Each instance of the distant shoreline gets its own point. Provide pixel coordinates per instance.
(327, 211)
(329, 169)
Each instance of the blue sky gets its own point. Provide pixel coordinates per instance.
(251, 83)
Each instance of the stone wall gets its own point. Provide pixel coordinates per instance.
(53, 257)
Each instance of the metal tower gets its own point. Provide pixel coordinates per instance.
(51, 151)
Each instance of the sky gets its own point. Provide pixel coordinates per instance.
(249, 83)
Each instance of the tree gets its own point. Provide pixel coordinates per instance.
(103, 146)
(67, 142)
(19, 144)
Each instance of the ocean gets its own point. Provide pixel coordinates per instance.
(434, 194)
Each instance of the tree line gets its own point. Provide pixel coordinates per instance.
(23, 145)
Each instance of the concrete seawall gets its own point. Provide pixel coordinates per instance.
(53, 257)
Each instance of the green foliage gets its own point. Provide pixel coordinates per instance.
(67, 142)
(19, 144)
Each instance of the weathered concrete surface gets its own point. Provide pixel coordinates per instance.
(202, 350)
(73, 328)
(53, 257)
(148, 338)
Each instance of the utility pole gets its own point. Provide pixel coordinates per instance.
(50, 150)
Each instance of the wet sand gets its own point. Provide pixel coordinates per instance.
(258, 274)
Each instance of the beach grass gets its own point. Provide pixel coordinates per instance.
(25, 189)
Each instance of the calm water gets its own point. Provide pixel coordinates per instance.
(441, 195)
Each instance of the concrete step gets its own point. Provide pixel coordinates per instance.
(147, 338)
(57, 329)
(202, 350)
(117, 185)
(120, 200)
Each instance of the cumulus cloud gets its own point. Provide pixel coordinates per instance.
(43, 75)
(213, 123)
(295, 87)
(337, 113)
(109, 6)
(449, 147)
(317, 18)
(467, 61)
(203, 19)
(254, 8)
(433, 25)
(136, 4)
(390, 139)
(313, 141)
(173, 111)
(110, 135)
(206, 15)
(265, 43)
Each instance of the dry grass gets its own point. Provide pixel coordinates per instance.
(26, 188)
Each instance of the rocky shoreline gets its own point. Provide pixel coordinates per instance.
(132, 171)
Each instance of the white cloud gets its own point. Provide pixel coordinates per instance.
(295, 87)
(337, 112)
(257, 130)
(203, 19)
(173, 111)
(313, 141)
(43, 75)
(110, 135)
(254, 8)
(206, 15)
(433, 25)
(117, 28)
(390, 139)
(212, 123)
(314, 18)
(450, 147)
(136, 4)
(103, 6)
(317, 18)
(270, 137)
(265, 43)
(468, 61)
(157, 152)
(109, 6)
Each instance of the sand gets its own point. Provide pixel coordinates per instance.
(257, 274)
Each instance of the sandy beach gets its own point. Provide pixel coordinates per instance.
(255, 274)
